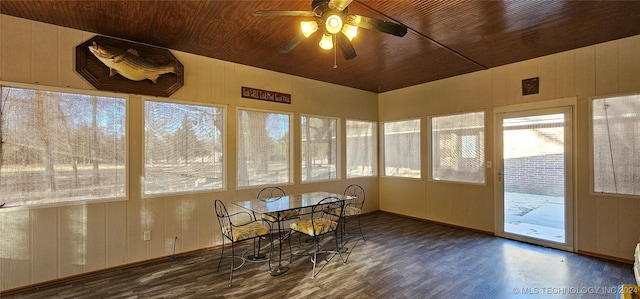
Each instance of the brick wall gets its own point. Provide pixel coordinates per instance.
(542, 175)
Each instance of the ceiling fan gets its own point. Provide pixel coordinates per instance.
(339, 27)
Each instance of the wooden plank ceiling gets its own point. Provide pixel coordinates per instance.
(445, 38)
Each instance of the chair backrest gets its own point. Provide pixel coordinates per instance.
(271, 192)
(322, 221)
(357, 196)
(224, 219)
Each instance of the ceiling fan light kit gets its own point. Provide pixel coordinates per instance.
(350, 31)
(339, 27)
(333, 24)
(326, 42)
(308, 27)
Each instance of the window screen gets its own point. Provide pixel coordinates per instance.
(60, 147)
(616, 145)
(183, 148)
(361, 148)
(264, 148)
(457, 147)
(319, 148)
(402, 148)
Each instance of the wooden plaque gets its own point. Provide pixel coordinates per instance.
(530, 86)
(97, 73)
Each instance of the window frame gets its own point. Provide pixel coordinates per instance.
(127, 135)
(383, 172)
(144, 147)
(338, 147)
(374, 155)
(430, 158)
(291, 147)
(591, 148)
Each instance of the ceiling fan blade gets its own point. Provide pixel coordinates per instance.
(292, 13)
(376, 24)
(292, 44)
(348, 52)
(339, 5)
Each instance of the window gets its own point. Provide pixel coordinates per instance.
(402, 148)
(60, 147)
(616, 145)
(264, 148)
(457, 147)
(183, 148)
(319, 148)
(361, 148)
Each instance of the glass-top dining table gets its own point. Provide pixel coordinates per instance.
(283, 204)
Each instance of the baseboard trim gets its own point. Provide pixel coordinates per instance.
(443, 223)
(604, 256)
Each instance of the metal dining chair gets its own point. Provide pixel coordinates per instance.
(353, 207)
(277, 218)
(271, 193)
(245, 228)
(321, 224)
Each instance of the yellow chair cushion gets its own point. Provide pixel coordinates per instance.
(247, 231)
(351, 211)
(322, 226)
(348, 211)
(273, 217)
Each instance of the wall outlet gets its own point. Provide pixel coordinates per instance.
(147, 235)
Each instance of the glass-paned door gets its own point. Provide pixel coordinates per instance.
(534, 176)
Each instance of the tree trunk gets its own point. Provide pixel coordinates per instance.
(260, 140)
(243, 173)
(94, 141)
(42, 123)
(3, 100)
(309, 150)
(70, 144)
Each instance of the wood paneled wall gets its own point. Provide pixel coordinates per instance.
(47, 243)
(604, 225)
(43, 244)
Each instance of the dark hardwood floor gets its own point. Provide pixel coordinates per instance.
(402, 258)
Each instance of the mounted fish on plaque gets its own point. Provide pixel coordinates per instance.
(123, 66)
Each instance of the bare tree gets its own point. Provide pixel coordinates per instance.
(70, 142)
(94, 140)
(259, 141)
(188, 139)
(4, 98)
(309, 148)
(43, 125)
(327, 133)
(243, 172)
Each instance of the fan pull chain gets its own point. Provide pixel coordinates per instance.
(335, 52)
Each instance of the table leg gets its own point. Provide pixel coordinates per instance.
(279, 269)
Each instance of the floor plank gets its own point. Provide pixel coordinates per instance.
(402, 258)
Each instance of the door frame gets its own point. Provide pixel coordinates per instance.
(568, 106)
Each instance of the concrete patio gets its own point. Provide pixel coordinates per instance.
(535, 216)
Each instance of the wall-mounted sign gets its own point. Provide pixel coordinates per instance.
(265, 95)
(530, 86)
